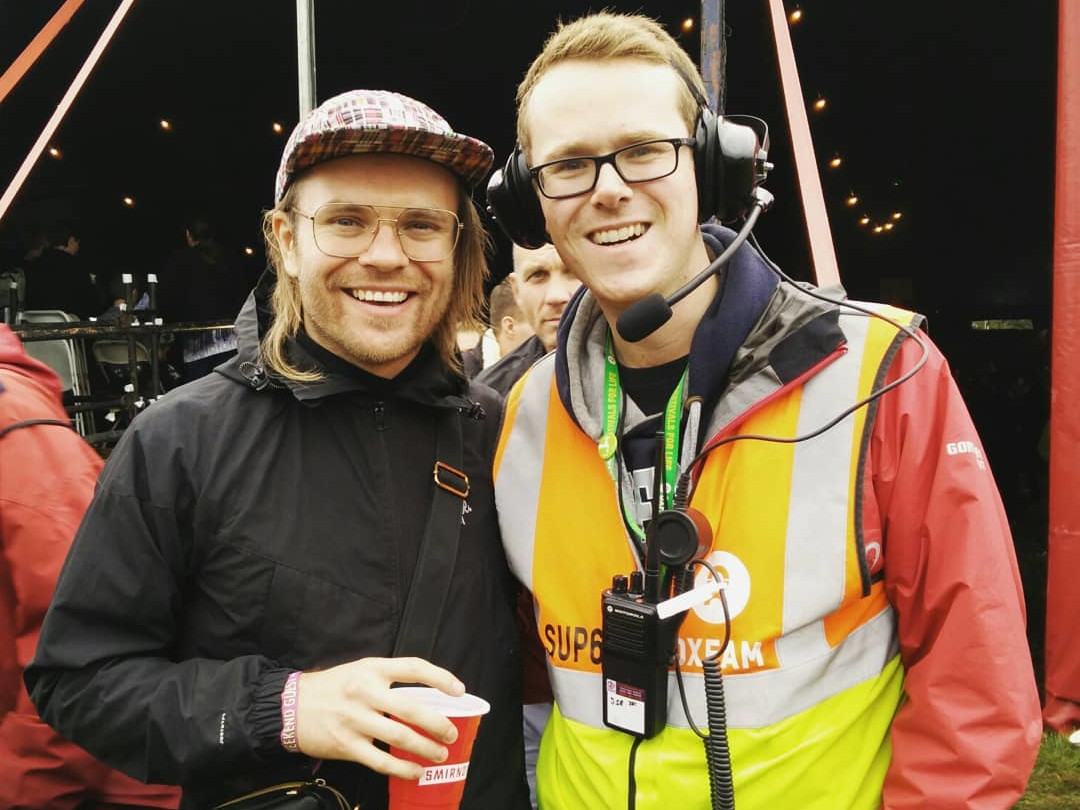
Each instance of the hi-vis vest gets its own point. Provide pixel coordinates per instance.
(812, 674)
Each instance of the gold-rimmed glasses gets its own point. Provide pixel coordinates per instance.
(346, 230)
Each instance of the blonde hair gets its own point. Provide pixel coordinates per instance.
(607, 35)
(466, 300)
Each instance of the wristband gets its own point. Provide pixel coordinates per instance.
(288, 713)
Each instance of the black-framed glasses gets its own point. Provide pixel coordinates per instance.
(346, 230)
(636, 163)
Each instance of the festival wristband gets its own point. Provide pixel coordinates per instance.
(288, 713)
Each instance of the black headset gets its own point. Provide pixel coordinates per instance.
(730, 160)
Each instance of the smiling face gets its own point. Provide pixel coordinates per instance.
(622, 240)
(375, 310)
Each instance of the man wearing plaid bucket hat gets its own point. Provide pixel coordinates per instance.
(256, 568)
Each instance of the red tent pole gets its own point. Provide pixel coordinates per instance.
(1061, 710)
(37, 45)
(822, 252)
(62, 108)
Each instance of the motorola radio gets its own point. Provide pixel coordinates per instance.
(641, 620)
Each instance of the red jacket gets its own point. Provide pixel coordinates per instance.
(969, 732)
(47, 475)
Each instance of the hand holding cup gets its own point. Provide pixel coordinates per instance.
(343, 711)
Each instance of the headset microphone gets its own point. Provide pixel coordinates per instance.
(644, 317)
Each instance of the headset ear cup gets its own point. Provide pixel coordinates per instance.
(728, 157)
(513, 204)
(742, 154)
(707, 165)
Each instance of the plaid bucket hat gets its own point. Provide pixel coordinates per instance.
(362, 121)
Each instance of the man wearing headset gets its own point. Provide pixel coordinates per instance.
(870, 631)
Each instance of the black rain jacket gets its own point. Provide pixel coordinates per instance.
(245, 527)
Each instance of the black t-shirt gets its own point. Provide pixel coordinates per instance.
(650, 389)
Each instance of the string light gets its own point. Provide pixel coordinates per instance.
(876, 222)
(819, 105)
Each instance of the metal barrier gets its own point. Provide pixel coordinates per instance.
(136, 394)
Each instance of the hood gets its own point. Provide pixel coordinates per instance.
(728, 345)
(425, 380)
(14, 359)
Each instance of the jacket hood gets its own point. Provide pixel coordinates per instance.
(13, 358)
(727, 346)
(425, 380)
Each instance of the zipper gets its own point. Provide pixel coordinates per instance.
(380, 415)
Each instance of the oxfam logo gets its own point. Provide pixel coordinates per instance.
(736, 579)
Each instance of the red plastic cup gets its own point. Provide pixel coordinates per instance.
(441, 785)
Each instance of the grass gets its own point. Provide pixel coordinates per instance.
(1055, 783)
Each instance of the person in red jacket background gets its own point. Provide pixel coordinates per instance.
(47, 475)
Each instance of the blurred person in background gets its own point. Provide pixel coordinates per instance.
(507, 331)
(542, 288)
(58, 279)
(199, 283)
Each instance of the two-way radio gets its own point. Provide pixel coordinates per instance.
(637, 650)
(641, 618)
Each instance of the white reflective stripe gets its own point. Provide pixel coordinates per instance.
(816, 545)
(517, 485)
(755, 699)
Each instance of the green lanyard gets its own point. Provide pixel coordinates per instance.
(608, 445)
